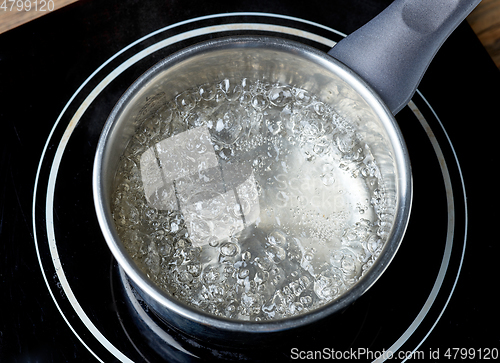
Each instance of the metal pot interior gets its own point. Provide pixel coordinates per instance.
(276, 61)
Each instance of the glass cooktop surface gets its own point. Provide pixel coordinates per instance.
(67, 299)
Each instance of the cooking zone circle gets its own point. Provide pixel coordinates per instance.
(51, 239)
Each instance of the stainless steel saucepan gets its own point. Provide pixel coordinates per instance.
(369, 76)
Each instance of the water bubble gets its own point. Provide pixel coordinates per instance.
(277, 238)
(261, 277)
(246, 256)
(306, 300)
(207, 92)
(280, 96)
(217, 292)
(243, 273)
(151, 213)
(320, 108)
(184, 277)
(309, 256)
(185, 101)
(328, 284)
(322, 145)
(231, 90)
(328, 179)
(296, 288)
(260, 102)
(345, 142)
(296, 308)
(263, 263)
(194, 269)
(274, 126)
(304, 281)
(276, 275)
(348, 264)
(236, 210)
(373, 243)
(245, 98)
(249, 300)
(129, 212)
(302, 97)
(213, 274)
(228, 124)
(213, 241)
(230, 310)
(165, 249)
(228, 249)
(201, 228)
(276, 254)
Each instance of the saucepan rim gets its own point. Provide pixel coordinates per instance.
(162, 299)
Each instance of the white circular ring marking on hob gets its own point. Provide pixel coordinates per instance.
(49, 212)
(449, 234)
(74, 121)
(139, 310)
(73, 124)
(451, 210)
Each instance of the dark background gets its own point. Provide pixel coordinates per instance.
(43, 62)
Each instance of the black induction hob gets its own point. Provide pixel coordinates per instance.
(65, 299)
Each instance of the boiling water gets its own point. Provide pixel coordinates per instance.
(250, 201)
